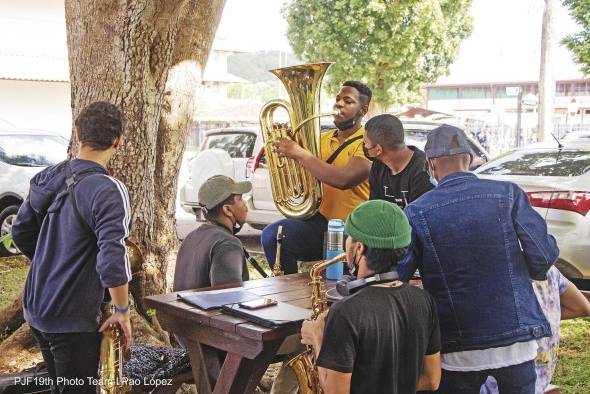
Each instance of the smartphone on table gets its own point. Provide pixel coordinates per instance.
(258, 303)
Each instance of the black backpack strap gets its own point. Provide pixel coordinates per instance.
(334, 155)
(255, 264)
(72, 179)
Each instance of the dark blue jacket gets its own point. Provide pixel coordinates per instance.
(478, 243)
(71, 266)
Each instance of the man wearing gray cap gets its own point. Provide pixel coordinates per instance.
(478, 243)
(212, 254)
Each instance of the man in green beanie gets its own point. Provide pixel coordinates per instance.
(384, 337)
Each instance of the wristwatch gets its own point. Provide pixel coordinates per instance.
(120, 310)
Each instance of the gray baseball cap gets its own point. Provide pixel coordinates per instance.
(219, 187)
(446, 140)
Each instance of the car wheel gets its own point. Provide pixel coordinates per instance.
(7, 218)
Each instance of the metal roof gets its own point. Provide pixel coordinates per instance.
(28, 67)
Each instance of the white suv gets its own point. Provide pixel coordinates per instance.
(261, 207)
(223, 152)
(22, 155)
(557, 182)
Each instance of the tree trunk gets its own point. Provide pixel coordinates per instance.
(146, 57)
(546, 77)
(123, 52)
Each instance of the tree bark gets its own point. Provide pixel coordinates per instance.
(123, 52)
(546, 75)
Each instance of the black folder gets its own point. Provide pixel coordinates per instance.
(216, 298)
(280, 314)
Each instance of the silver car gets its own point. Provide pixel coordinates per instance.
(556, 179)
(223, 152)
(23, 154)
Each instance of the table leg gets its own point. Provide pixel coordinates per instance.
(240, 375)
(199, 367)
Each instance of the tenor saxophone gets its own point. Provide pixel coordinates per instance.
(304, 364)
(112, 349)
(112, 357)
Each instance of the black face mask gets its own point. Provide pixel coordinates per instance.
(236, 228)
(347, 124)
(353, 268)
(366, 152)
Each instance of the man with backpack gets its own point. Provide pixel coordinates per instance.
(73, 227)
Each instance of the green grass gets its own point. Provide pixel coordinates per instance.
(13, 272)
(573, 365)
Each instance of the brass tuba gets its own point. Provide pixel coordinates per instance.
(296, 192)
(112, 352)
(303, 364)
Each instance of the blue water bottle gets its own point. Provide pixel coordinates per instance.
(334, 247)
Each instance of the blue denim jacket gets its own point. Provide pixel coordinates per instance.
(477, 244)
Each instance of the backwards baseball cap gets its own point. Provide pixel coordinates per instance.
(446, 140)
(219, 187)
(379, 224)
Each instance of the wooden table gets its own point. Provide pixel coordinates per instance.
(250, 348)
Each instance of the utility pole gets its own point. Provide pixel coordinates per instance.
(546, 75)
(518, 116)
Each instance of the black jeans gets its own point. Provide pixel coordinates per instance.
(71, 360)
(515, 379)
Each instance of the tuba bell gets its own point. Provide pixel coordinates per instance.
(296, 192)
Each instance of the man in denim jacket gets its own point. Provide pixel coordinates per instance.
(478, 243)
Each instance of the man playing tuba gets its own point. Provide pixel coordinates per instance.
(344, 181)
(384, 337)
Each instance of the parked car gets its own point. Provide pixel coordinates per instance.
(22, 155)
(222, 152)
(556, 179)
(261, 207)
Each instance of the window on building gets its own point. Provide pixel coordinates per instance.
(581, 89)
(500, 92)
(475, 93)
(443, 93)
(561, 89)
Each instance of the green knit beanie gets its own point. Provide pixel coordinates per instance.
(379, 224)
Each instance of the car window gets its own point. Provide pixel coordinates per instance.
(571, 162)
(418, 138)
(238, 145)
(32, 150)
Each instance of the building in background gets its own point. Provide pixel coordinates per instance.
(34, 73)
(500, 59)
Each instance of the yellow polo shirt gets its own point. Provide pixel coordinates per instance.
(336, 203)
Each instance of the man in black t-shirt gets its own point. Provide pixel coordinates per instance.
(398, 173)
(384, 338)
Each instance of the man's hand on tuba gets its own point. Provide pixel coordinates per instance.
(286, 147)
